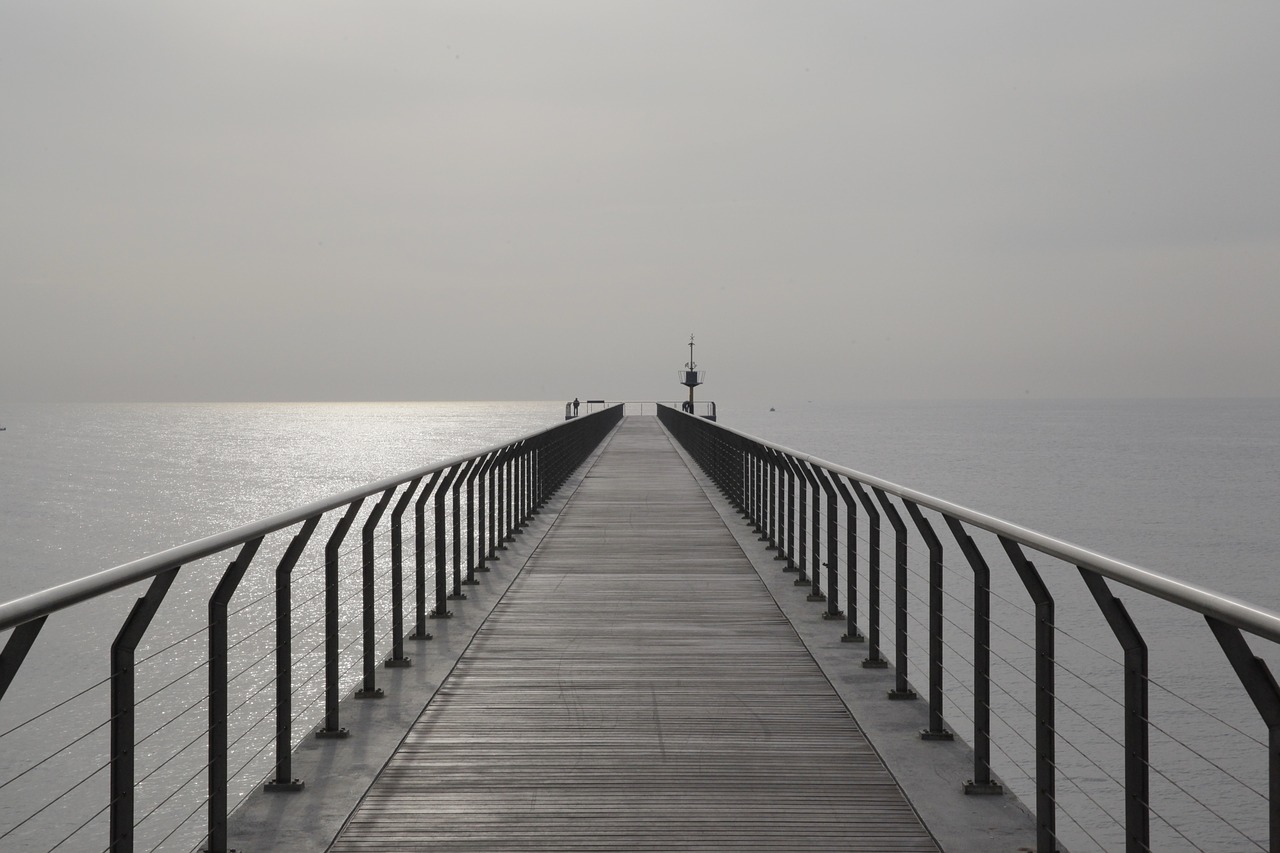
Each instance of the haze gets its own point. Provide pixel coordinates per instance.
(542, 200)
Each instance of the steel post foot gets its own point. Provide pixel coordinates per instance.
(416, 636)
(397, 663)
(441, 614)
(940, 734)
(902, 694)
(875, 663)
(332, 734)
(375, 693)
(803, 580)
(816, 597)
(855, 637)
(470, 582)
(275, 785)
(770, 546)
(827, 614)
(985, 788)
(458, 596)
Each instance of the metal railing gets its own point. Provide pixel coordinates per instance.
(481, 500)
(808, 510)
(701, 408)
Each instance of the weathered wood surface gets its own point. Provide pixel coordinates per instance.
(636, 689)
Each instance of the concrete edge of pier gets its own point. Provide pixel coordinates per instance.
(931, 773)
(336, 773)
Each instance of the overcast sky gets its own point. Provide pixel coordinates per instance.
(536, 200)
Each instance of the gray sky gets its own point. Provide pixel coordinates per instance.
(535, 200)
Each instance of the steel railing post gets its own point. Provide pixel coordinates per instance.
(788, 553)
(398, 657)
(517, 491)
(15, 650)
(937, 727)
(464, 474)
(1137, 773)
(1046, 750)
(873, 660)
(495, 498)
(1261, 686)
(283, 779)
(439, 611)
(123, 709)
(218, 688)
(772, 533)
(810, 530)
(370, 689)
(509, 496)
(481, 537)
(472, 539)
(332, 623)
(982, 782)
(420, 631)
(902, 689)
(819, 488)
(851, 633)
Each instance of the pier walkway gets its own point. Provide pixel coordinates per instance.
(635, 673)
(636, 688)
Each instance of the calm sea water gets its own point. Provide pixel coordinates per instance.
(1189, 488)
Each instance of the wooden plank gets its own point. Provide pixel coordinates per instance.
(637, 688)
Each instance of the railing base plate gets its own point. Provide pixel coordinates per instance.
(983, 788)
(332, 734)
(874, 663)
(902, 694)
(942, 734)
(278, 787)
(397, 663)
(422, 637)
(828, 615)
(375, 693)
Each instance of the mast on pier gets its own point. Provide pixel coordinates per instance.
(691, 376)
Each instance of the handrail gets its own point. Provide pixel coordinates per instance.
(1250, 617)
(767, 483)
(519, 476)
(53, 599)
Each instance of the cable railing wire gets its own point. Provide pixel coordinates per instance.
(814, 551)
(79, 828)
(55, 753)
(62, 704)
(52, 802)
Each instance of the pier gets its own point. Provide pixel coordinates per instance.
(636, 687)
(623, 632)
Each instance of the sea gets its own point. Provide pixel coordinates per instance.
(1188, 488)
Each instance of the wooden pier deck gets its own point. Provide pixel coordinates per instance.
(637, 687)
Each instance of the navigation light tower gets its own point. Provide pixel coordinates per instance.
(691, 376)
